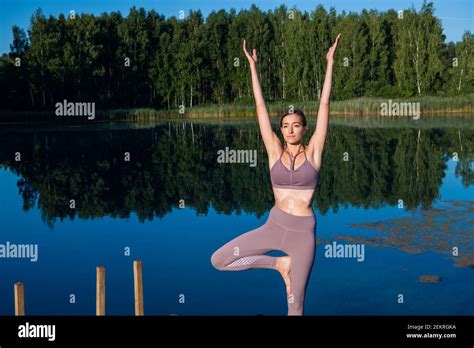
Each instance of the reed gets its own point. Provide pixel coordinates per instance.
(364, 106)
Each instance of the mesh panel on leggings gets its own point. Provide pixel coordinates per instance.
(244, 261)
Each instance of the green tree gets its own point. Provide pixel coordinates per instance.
(319, 40)
(418, 64)
(352, 58)
(463, 73)
(378, 69)
(238, 70)
(217, 66)
(133, 57)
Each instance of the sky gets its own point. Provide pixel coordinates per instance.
(456, 15)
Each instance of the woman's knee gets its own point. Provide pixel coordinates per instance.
(217, 259)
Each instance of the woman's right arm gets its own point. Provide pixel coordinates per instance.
(270, 139)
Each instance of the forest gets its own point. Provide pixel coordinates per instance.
(144, 60)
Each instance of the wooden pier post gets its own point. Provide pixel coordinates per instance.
(100, 291)
(19, 290)
(138, 286)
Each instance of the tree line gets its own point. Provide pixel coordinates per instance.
(146, 60)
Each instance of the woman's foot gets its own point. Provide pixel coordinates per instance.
(283, 265)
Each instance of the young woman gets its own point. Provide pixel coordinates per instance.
(294, 171)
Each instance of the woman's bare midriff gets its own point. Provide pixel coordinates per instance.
(296, 202)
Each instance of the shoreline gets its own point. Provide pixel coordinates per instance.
(365, 106)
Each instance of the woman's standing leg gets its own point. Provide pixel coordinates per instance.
(300, 246)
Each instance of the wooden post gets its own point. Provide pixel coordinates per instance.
(19, 291)
(100, 291)
(138, 285)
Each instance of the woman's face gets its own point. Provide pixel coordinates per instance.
(292, 129)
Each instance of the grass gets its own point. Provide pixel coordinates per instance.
(429, 105)
(360, 106)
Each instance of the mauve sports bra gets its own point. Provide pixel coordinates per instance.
(303, 178)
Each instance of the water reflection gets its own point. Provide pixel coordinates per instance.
(175, 162)
(446, 230)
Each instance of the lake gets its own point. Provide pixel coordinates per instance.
(91, 194)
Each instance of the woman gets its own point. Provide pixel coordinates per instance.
(291, 224)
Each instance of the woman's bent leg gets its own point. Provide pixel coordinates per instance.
(246, 251)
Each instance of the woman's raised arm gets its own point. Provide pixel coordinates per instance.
(319, 137)
(270, 139)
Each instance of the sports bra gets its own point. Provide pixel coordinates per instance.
(303, 178)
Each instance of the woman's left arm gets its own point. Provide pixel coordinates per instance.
(319, 137)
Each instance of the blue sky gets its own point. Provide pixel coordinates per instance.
(456, 15)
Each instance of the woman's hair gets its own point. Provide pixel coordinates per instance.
(297, 112)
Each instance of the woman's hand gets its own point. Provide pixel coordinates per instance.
(251, 58)
(332, 49)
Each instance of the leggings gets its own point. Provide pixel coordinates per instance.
(292, 234)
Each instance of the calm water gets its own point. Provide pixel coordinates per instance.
(402, 189)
